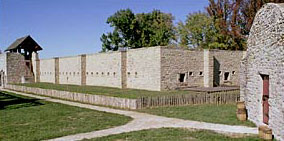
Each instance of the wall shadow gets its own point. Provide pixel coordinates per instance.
(9, 101)
(216, 70)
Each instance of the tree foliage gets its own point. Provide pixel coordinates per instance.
(138, 30)
(198, 31)
(226, 27)
(227, 22)
(248, 10)
(234, 18)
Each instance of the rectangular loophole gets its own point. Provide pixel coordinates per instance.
(181, 77)
(226, 76)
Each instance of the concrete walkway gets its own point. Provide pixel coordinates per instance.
(143, 121)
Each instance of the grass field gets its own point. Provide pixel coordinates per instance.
(223, 114)
(108, 91)
(23, 118)
(172, 134)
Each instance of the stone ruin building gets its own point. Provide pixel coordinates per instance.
(152, 68)
(262, 71)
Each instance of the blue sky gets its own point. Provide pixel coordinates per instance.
(72, 27)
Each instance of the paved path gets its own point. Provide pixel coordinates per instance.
(143, 121)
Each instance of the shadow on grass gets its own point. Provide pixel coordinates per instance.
(11, 101)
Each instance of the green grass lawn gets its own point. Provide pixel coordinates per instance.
(172, 134)
(108, 91)
(223, 114)
(23, 118)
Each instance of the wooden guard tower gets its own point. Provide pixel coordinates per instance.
(19, 60)
(25, 45)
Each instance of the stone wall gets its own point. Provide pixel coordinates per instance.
(16, 68)
(204, 68)
(83, 69)
(227, 62)
(36, 66)
(265, 56)
(208, 68)
(3, 68)
(57, 71)
(144, 68)
(3, 59)
(47, 70)
(243, 78)
(152, 68)
(104, 69)
(175, 62)
(123, 69)
(70, 70)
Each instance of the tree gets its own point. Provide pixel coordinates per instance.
(197, 32)
(234, 18)
(225, 16)
(248, 10)
(140, 30)
(157, 28)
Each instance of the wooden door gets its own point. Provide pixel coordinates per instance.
(265, 97)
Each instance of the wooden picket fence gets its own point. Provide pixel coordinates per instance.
(224, 97)
(189, 99)
(124, 103)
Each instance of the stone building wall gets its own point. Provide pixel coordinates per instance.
(47, 70)
(227, 63)
(176, 62)
(3, 59)
(70, 70)
(3, 68)
(243, 77)
(152, 68)
(144, 68)
(103, 69)
(16, 68)
(204, 68)
(35, 66)
(83, 69)
(123, 69)
(208, 68)
(265, 56)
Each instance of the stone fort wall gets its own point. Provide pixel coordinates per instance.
(144, 68)
(176, 62)
(3, 58)
(3, 68)
(137, 69)
(103, 69)
(152, 68)
(227, 62)
(203, 68)
(47, 73)
(70, 70)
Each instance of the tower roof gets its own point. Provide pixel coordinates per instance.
(26, 43)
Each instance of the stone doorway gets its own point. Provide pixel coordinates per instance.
(265, 97)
